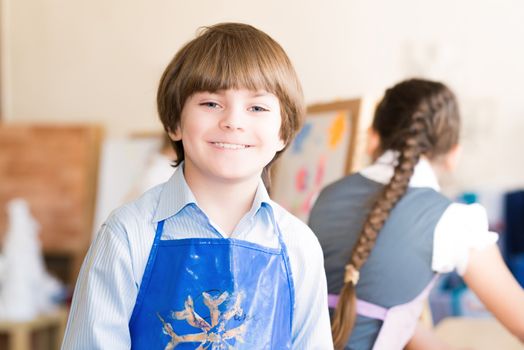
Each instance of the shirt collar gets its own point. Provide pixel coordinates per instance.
(382, 170)
(176, 195)
(261, 198)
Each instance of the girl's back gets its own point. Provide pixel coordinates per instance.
(399, 268)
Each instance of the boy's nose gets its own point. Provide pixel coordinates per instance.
(232, 120)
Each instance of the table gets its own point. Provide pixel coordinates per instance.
(43, 333)
(476, 333)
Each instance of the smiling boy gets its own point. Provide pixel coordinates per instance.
(207, 260)
(228, 137)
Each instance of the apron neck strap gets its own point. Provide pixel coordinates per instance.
(159, 229)
(276, 227)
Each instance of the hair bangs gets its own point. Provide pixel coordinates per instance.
(228, 64)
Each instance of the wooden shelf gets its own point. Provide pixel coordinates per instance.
(43, 333)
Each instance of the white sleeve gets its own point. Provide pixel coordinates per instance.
(311, 327)
(461, 228)
(104, 295)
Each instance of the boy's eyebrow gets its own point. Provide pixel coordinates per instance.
(258, 93)
(261, 93)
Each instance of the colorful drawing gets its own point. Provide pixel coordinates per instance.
(337, 129)
(315, 188)
(321, 153)
(301, 137)
(301, 179)
(321, 171)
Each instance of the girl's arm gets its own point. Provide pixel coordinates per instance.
(488, 276)
(463, 241)
(426, 339)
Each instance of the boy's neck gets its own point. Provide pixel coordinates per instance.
(225, 203)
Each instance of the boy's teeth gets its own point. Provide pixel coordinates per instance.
(229, 145)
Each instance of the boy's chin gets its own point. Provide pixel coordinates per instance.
(238, 178)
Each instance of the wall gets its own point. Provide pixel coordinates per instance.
(100, 61)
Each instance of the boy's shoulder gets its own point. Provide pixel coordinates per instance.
(302, 244)
(291, 226)
(139, 210)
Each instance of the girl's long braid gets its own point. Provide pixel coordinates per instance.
(345, 313)
(426, 117)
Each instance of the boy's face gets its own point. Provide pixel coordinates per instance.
(229, 135)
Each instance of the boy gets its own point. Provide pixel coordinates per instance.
(207, 260)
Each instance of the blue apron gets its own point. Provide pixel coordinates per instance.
(214, 293)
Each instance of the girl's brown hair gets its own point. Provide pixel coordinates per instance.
(225, 56)
(415, 117)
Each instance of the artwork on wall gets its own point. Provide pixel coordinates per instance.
(323, 151)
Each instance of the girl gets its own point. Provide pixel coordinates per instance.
(387, 232)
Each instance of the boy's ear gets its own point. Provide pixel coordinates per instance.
(281, 145)
(175, 135)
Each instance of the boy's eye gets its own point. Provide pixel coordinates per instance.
(209, 104)
(258, 109)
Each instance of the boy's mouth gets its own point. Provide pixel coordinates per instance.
(226, 145)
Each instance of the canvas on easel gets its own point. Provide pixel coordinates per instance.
(328, 147)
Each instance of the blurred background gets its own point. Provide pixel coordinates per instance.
(96, 65)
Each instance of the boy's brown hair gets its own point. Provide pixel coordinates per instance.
(231, 56)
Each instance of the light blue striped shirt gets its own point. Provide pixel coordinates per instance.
(110, 277)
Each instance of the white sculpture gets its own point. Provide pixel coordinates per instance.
(26, 289)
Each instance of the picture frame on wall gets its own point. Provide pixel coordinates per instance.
(328, 147)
